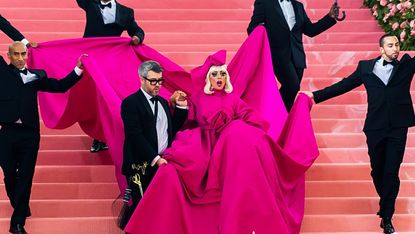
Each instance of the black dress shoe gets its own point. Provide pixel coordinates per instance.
(17, 229)
(386, 224)
(104, 146)
(95, 147)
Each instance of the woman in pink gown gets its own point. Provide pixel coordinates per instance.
(226, 175)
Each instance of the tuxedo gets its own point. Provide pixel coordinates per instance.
(95, 26)
(19, 142)
(286, 45)
(19, 126)
(141, 142)
(389, 114)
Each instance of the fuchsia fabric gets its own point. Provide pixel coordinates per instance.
(228, 175)
(111, 74)
(240, 170)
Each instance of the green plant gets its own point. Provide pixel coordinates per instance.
(396, 17)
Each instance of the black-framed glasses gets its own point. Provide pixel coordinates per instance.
(154, 81)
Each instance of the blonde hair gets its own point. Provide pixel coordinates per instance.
(228, 86)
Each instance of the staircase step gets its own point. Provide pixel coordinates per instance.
(64, 208)
(174, 26)
(324, 140)
(337, 126)
(199, 47)
(351, 171)
(73, 157)
(65, 174)
(342, 140)
(355, 155)
(177, 4)
(70, 191)
(205, 38)
(354, 205)
(74, 129)
(68, 225)
(65, 142)
(322, 111)
(354, 223)
(352, 188)
(74, 13)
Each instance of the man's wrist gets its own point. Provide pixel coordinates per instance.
(25, 41)
(78, 70)
(153, 163)
(182, 107)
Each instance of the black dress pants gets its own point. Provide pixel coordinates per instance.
(290, 79)
(386, 150)
(19, 146)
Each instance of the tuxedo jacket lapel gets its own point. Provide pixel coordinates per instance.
(144, 101)
(296, 13)
(121, 15)
(98, 11)
(118, 15)
(395, 68)
(280, 14)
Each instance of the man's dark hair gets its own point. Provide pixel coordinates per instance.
(382, 38)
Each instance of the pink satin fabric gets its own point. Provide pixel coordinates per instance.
(240, 170)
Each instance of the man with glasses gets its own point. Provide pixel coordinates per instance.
(149, 127)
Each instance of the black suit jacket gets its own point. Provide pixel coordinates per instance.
(287, 46)
(9, 30)
(95, 27)
(19, 100)
(388, 105)
(140, 144)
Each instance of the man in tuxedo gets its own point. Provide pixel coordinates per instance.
(108, 18)
(286, 21)
(149, 126)
(389, 114)
(19, 122)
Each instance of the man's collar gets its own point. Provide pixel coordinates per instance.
(148, 96)
(105, 3)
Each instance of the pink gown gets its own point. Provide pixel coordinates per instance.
(228, 176)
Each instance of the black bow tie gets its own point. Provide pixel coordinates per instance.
(285, 0)
(393, 62)
(24, 71)
(154, 99)
(109, 5)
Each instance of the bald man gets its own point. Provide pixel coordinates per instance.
(19, 123)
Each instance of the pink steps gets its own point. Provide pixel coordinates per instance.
(354, 223)
(68, 225)
(74, 13)
(351, 189)
(354, 155)
(324, 140)
(191, 26)
(214, 4)
(74, 189)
